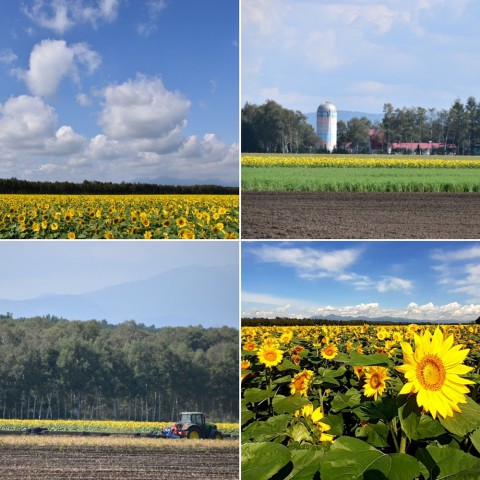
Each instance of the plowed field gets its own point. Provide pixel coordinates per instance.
(166, 459)
(360, 215)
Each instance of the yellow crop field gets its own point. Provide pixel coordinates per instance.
(423, 161)
(119, 216)
(368, 401)
(95, 426)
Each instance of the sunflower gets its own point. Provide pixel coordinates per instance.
(301, 382)
(434, 372)
(71, 235)
(316, 416)
(330, 351)
(269, 355)
(375, 381)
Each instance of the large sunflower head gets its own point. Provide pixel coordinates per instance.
(330, 351)
(375, 381)
(434, 372)
(269, 355)
(301, 382)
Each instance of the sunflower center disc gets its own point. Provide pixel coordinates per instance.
(431, 372)
(271, 356)
(375, 381)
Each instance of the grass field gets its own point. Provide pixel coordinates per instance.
(360, 173)
(358, 179)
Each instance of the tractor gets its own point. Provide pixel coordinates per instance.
(192, 425)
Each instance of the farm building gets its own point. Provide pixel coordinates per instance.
(327, 125)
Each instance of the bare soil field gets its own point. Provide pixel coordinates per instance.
(104, 459)
(338, 215)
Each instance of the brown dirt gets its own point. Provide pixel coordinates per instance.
(360, 215)
(112, 463)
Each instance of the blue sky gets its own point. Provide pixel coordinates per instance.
(173, 283)
(31, 268)
(119, 90)
(414, 280)
(360, 54)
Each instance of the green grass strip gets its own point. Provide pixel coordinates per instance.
(360, 179)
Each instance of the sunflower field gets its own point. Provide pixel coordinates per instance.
(361, 402)
(119, 216)
(367, 173)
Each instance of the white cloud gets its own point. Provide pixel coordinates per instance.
(142, 139)
(154, 7)
(62, 15)
(25, 123)
(459, 270)
(53, 60)
(309, 260)
(413, 312)
(394, 284)
(143, 109)
(7, 55)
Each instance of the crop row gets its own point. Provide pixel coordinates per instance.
(97, 426)
(390, 402)
(355, 179)
(363, 162)
(116, 216)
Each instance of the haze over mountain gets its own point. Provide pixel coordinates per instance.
(183, 296)
(386, 318)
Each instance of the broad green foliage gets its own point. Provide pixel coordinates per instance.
(351, 436)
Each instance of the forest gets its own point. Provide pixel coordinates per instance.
(271, 128)
(87, 187)
(52, 368)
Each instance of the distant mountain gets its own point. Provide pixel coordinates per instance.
(345, 116)
(185, 181)
(363, 318)
(206, 296)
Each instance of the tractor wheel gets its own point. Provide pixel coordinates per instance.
(193, 433)
(217, 436)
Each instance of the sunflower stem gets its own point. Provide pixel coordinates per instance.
(403, 441)
(394, 431)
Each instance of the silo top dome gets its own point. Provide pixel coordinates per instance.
(327, 107)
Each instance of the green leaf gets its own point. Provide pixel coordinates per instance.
(287, 365)
(255, 395)
(262, 460)
(376, 434)
(350, 399)
(449, 463)
(475, 438)
(463, 423)
(300, 433)
(357, 360)
(282, 404)
(336, 422)
(352, 459)
(306, 463)
(266, 431)
(415, 424)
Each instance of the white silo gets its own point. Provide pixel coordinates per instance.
(327, 125)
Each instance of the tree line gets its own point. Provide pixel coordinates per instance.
(304, 322)
(52, 368)
(455, 130)
(87, 187)
(274, 129)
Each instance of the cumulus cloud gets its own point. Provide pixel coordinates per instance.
(143, 109)
(141, 139)
(62, 15)
(53, 60)
(25, 123)
(451, 312)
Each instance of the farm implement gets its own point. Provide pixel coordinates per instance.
(192, 425)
